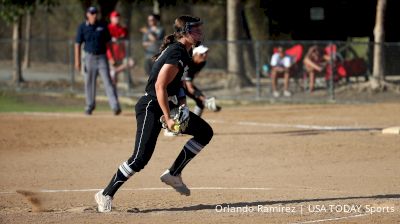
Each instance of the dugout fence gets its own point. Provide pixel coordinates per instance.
(349, 62)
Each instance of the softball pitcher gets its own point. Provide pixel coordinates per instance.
(163, 105)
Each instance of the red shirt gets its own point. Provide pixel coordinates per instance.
(116, 50)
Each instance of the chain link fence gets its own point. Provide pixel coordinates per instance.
(342, 64)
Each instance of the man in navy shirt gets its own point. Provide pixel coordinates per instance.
(96, 36)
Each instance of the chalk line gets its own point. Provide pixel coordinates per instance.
(242, 123)
(145, 189)
(330, 219)
(297, 126)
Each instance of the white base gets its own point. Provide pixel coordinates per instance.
(391, 130)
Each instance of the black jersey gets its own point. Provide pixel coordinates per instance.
(194, 69)
(174, 54)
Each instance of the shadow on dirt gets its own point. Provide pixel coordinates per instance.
(200, 207)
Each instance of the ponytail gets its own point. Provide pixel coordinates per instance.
(170, 39)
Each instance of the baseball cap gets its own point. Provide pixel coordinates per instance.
(200, 50)
(114, 14)
(92, 10)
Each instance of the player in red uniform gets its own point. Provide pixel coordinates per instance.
(116, 52)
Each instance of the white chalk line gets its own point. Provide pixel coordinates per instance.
(242, 123)
(330, 219)
(146, 189)
(297, 126)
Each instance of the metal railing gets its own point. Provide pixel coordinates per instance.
(53, 61)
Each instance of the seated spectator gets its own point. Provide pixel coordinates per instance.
(313, 63)
(280, 64)
(116, 52)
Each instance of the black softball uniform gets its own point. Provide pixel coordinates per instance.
(194, 69)
(148, 113)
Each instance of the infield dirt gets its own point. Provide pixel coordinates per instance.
(273, 156)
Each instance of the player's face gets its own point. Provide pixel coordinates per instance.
(196, 34)
(114, 19)
(91, 17)
(199, 58)
(151, 21)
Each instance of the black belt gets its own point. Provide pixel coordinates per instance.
(95, 53)
(173, 99)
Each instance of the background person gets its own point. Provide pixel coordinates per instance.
(199, 60)
(116, 51)
(280, 64)
(96, 36)
(313, 63)
(153, 35)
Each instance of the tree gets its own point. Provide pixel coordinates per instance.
(379, 38)
(28, 34)
(257, 21)
(12, 11)
(127, 7)
(237, 77)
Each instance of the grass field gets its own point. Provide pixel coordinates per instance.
(15, 102)
(265, 164)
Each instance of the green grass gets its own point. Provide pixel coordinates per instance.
(14, 102)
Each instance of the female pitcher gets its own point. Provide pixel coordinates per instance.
(163, 92)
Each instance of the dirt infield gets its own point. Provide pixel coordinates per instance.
(265, 164)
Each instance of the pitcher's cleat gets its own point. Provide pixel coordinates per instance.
(175, 182)
(104, 203)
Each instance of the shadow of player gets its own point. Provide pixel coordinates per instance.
(200, 207)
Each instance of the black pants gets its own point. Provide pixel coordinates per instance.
(198, 101)
(148, 113)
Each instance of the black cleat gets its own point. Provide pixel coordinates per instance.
(117, 112)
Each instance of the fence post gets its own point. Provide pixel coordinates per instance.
(71, 64)
(331, 78)
(258, 95)
(128, 76)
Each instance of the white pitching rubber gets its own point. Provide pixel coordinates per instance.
(391, 130)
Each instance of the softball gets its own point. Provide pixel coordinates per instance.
(176, 127)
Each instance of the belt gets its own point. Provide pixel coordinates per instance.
(94, 53)
(173, 99)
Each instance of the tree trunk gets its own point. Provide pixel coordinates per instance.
(27, 50)
(258, 23)
(237, 78)
(156, 7)
(248, 50)
(47, 34)
(379, 38)
(127, 7)
(258, 27)
(17, 72)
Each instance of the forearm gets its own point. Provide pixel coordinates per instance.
(162, 98)
(190, 87)
(311, 64)
(77, 53)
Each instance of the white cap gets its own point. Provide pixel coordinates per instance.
(200, 50)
